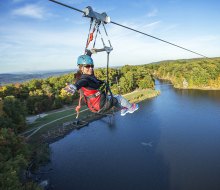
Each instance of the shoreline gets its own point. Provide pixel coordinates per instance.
(197, 88)
(189, 88)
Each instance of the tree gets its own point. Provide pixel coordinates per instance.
(14, 153)
(146, 82)
(100, 73)
(198, 73)
(66, 97)
(34, 84)
(1, 107)
(57, 103)
(14, 112)
(30, 104)
(7, 90)
(130, 82)
(47, 89)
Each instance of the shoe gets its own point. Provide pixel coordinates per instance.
(133, 108)
(124, 111)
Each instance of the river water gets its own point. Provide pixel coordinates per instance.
(172, 142)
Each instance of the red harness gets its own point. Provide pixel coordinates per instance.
(92, 99)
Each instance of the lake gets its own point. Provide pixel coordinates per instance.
(172, 142)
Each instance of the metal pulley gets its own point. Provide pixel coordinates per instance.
(103, 17)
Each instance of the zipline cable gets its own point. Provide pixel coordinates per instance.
(157, 38)
(67, 6)
(134, 30)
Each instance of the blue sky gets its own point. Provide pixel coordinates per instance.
(39, 35)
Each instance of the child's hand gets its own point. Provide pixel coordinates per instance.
(77, 108)
(70, 88)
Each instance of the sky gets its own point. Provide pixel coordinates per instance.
(39, 35)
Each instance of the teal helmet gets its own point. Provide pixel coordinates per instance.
(84, 60)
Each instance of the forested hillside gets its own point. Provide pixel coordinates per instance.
(193, 73)
(40, 95)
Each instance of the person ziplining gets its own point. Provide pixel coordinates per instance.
(97, 94)
(94, 90)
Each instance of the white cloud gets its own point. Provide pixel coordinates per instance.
(208, 38)
(50, 49)
(169, 28)
(33, 11)
(207, 45)
(25, 49)
(152, 13)
(152, 24)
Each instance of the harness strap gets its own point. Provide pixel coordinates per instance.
(97, 28)
(94, 95)
(103, 42)
(90, 35)
(94, 109)
(90, 26)
(91, 106)
(107, 35)
(100, 91)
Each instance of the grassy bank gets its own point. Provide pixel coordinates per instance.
(140, 95)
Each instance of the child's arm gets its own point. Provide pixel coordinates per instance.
(70, 88)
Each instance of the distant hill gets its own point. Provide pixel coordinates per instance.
(9, 78)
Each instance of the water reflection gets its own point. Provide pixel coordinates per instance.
(190, 137)
(212, 95)
(109, 121)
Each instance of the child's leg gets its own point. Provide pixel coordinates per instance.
(122, 102)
